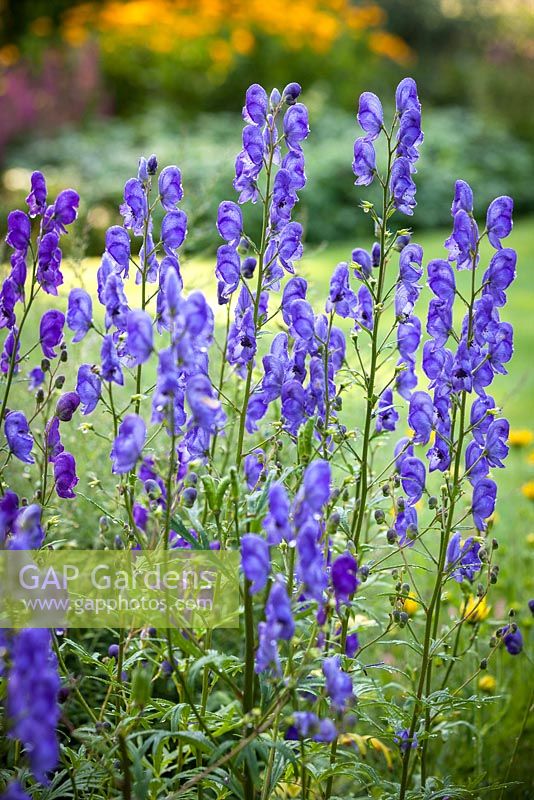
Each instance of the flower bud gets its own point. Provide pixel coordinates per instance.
(391, 536)
(64, 356)
(66, 406)
(113, 651)
(432, 501)
(401, 504)
(59, 382)
(45, 365)
(189, 495)
(152, 164)
(379, 516)
(248, 267)
(291, 93)
(484, 663)
(39, 397)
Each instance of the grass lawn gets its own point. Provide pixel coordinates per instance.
(514, 521)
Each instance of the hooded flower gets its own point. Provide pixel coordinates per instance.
(19, 438)
(128, 445)
(51, 331)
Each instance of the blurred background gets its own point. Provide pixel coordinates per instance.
(86, 87)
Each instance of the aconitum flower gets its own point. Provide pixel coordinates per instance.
(362, 262)
(463, 198)
(256, 104)
(9, 506)
(364, 309)
(302, 320)
(10, 352)
(413, 476)
(276, 524)
(463, 558)
(499, 220)
(135, 208)
(512, 638)
(341, 298)
(496, 448)
(500, 274)
(65, 478)
(111, 366)
(315, 489)
(338, 683)
(205, 407)
(139, 343)
(370, 115)
(256, 561)
(364, 162)
(63, 212)
(18, 231)
(173, 230)
(79, 313)
(344, 577)
(32, 689)
(128, 445)
(88, 388)
(296, 127)
(36, 200)
(19, 438)
(28, 533)
(278, 611)
(289, 245)
(48, 263)
(386, 415)
(53, 439)
(406, 95)
(51, 331)
(169, 393)
(484, 496)
(403, 740)
(230, 221)
(310, 564)
(118, 247)
(402, 186)
(14, 791)
(66, 406)
(441, 280)
(228, 272)
(421, 416)
(461, 244)
(254, 467)
(170, 187)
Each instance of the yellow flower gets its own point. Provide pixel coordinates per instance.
(520, 437)
(410, 605)
(528, 490)
(487, 683)
(475, 609)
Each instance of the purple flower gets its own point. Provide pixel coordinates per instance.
(403, 740)
(170, 187)
(463, 558)
(310, 564)
(296, 127)
(289, 245)
(36, 199)
(19, 438)
(276, 524)
(483, 506)
(115, 302)
(402, 186)
(295, 289)
(64, 211)
(168, 399)
(79, 313)
(499, 220)
(14, 791)
(228, 271)
(500, 274)
(9, 506)
(278, 611)
(256, 561)
(315, 489)
(463, 198)
(18, 231)
(386, 414)
(254, 466)
(480, 418)
(496, 448)
(173, 230)
(476, 464)
(344, 577)
(118, 246)
(406, 95)
(65, 475)
(302, 319)
(8, 300)
(439, 322)
(205, 407)
(53, 439)
(134, 209)
(256, 103)
(291, 93)
(410, 135)
(49, 261)
(370, 115)
(341, 298)
(111, 366)
(230, 221)
(512, 638)
(88, 388)
(28, 532)
(139, 343)
(364, 162)
(462, 243)
(10, 352)
(413, 476)
(441, 280)
(364, 309)
(128, 445)
(362, 262)
(408, 336)
(51, 331)
(66, 406)
(338, 683)
(421, 416)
